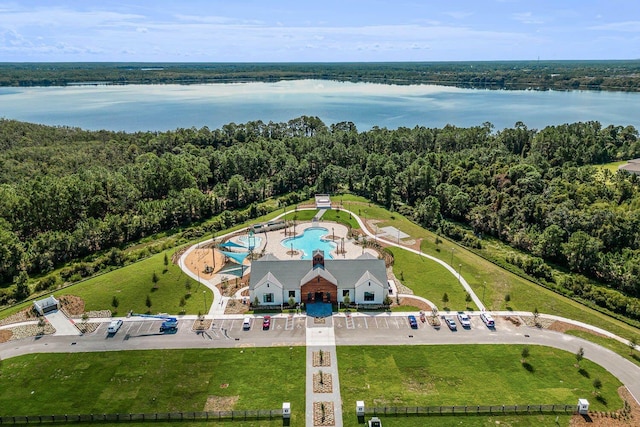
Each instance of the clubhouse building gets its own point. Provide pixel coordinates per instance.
(274, 281)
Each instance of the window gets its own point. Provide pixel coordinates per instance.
(369, 296)
(292, 294)
(345, 293)
(267, 298)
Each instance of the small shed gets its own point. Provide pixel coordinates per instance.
(46, 305)
(583, 406)
(323, 201)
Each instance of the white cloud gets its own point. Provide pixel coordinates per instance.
(527, 18)
(624, 26)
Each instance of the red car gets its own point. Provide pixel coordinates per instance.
(266, 323)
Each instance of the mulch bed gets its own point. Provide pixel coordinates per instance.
(324, 386)
(612, 419)
(326, 358)
(323, 418)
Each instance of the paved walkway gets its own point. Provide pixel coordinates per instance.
(322, 338)
(61, 323)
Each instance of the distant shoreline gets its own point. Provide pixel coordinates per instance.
(618, 75)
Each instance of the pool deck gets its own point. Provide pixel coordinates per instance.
(271, 241)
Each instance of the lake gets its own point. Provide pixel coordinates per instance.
(166, 107)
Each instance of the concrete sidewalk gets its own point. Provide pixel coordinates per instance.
(62, 324)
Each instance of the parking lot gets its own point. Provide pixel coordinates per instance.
(357, 329)
(287, 329)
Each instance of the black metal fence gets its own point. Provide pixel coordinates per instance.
(470, 410)
(260, 414)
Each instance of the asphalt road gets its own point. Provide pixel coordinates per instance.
(382, 329)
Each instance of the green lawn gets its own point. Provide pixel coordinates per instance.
(132, 284)
(613, 166)
(467, 375)
(150, 381)
(341, 217)
(303, 215)
(430, 280)
(490, 282)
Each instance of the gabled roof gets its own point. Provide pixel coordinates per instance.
(318, 272)
(368, 277)
(269, 278)
(344, 272)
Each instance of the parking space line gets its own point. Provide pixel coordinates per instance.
(366, 324)
(349, 322)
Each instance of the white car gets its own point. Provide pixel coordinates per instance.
(114, 326)
(464, 320)
(487, 319)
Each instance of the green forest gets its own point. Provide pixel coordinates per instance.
(538, 75)
(69, 194)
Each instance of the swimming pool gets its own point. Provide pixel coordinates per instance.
(310, 240)
(250, 242)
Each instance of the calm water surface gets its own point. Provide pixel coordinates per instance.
(166, 107)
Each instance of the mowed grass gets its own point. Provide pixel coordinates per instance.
(132, 284)
(468, 375)
(489, 281)
(153, 381)
(610, 343)
(430, 280)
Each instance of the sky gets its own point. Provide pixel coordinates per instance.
(318, 31)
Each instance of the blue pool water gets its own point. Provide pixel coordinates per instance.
(250, 243)
(309, 241)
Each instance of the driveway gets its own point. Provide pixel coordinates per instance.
(61, 323)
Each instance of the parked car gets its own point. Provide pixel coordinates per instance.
(266, 323)
(487, 319)
(246, 323)
(413, 322)
(464, 320)
(451, 323)
(114, 326)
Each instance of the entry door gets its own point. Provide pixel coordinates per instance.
(319, 297)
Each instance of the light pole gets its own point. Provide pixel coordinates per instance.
(451, 263)
(459, 271)
(484, 287)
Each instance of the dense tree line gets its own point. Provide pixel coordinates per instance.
(541, 75)
(67, 193)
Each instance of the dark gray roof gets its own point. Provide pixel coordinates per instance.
(346, 271)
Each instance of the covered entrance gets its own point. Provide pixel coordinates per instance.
(319, 290)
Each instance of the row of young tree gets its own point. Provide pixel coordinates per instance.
(67, 193)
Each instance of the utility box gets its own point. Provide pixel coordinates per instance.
(375, 422)
(286, 409)
(583, 406)
(360, 411)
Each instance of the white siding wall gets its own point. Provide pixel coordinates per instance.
(267, 288)
(372, 287)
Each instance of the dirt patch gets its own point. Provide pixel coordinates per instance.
(5, 335)
(23, 315)
(564, 327)
(71, 305)
(86, 327)
(201, 325)
(221, 403)
(200, 261)
(626, 417)
(542, 321)
(414, 302)
(236, 307)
